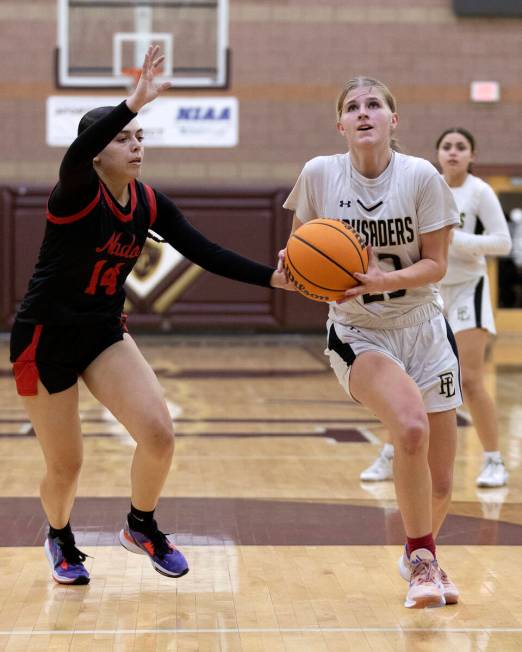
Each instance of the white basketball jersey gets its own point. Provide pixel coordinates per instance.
(480, 215)
(390, 212)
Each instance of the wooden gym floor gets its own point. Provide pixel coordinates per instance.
(289, 551)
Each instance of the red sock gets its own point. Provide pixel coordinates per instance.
(426, 542)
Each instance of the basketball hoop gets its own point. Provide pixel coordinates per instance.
(134, 75)
(94, 51)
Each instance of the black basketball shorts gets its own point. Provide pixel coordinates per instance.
(57, 355)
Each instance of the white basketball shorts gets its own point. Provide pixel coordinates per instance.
(427, 352)
(468, 305)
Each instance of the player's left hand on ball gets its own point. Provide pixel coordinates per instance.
(372, 281)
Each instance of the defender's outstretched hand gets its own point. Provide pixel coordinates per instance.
(281, 259)
(147, 89)
(280, 277)
(280, 280)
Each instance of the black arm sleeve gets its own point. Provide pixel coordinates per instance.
(78, 182)
(174, 228)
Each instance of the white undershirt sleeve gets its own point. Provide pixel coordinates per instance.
(495, 241)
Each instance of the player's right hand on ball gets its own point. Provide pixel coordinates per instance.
(280, 277)
(280, 280)
(281, 259)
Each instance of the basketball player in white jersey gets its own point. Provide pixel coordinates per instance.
(388, 342)
(465, 289)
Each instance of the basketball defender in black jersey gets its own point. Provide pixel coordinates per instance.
(70, 323)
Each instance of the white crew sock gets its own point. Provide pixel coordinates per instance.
(494, 456)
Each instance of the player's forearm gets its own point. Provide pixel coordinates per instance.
(490, 244)
(424, 271)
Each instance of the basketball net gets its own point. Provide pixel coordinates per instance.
(134, 75)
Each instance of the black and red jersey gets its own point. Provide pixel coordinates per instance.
(86, 257)
(91, 242)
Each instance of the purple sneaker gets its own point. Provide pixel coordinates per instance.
(163, 555)
(66, 561)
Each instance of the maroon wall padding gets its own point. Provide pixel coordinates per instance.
(249, 221)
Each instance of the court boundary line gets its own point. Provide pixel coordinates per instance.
(263, 630)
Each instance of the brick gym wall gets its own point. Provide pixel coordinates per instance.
(289, 59)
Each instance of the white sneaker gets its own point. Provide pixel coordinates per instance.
(426, 589)
(493, 474)
(451, 592)
(381, 469)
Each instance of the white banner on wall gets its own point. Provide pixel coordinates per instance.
(166, 122)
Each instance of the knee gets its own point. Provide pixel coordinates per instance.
(472, 385)
(413, 435)
(64, 471)
(158, 438)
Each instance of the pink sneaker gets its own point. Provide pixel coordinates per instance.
(451, 592)
(425, 590)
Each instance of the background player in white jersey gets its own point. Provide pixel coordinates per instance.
(388, 342)
(465, 290)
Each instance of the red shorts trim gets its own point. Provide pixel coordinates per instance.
(24, 368)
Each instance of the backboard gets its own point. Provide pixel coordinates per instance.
(101, 41)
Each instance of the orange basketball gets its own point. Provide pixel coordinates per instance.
(322, 256)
